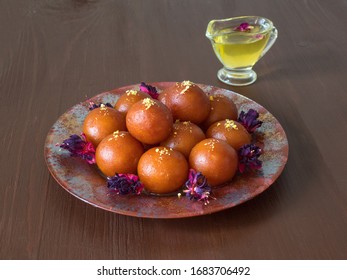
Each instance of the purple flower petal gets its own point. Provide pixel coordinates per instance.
(245, 26)
(248, 158)
(125, 184)
(93, 105)
(250, 120)
(197, 187)
(78, 146)
(152, 91)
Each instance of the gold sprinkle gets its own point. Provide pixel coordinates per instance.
(148, 102)
(187, 126)
(116, 134)
(103, 107)
(179, 195)
(163, 151)
(218, 124)
(184, 90)
(211, 98)
(230, 124)
(131, 92)
(211, 144)
(187, 85)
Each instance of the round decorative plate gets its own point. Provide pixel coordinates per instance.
(85, 182)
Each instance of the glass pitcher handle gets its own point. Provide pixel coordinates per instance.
(272, 40)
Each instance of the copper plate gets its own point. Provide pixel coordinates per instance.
(85, 182)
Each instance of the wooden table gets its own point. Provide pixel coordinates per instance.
(55, 54)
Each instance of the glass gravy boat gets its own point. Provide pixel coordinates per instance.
(239, 43)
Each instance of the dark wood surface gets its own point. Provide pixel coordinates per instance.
(56, 53)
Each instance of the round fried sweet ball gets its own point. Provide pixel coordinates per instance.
(162, 170)
(215, 159)
(101, 122)
(222, 107)
(234, 133)
(187, 102)
(128, 99)
(149, 121)
(118, 153)
(184, 136)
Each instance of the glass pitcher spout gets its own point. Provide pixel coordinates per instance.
(211, 31)
(215, 27)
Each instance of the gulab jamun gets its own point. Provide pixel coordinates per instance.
(187, 102)
(215, 159)
(101, 122)
(234, 133)
(162, 170)
(149, 121)
(118, 153)
(222, 107)
(128, 99)
(183, 137)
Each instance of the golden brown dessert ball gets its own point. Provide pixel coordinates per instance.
(149, 121)
(234, 133)
(118, 153)
(222, 107)
(101, 122)
(128, 99)
(162, 170)
(187, 102)
(183, 137)
(164, 97)
(215, 159)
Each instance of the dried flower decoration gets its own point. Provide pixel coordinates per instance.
(250, 120)
(93, 105)
(248, 158)
(152, 91)
(125, 184)
(78, 146)
(197, 187)
(244, 27)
